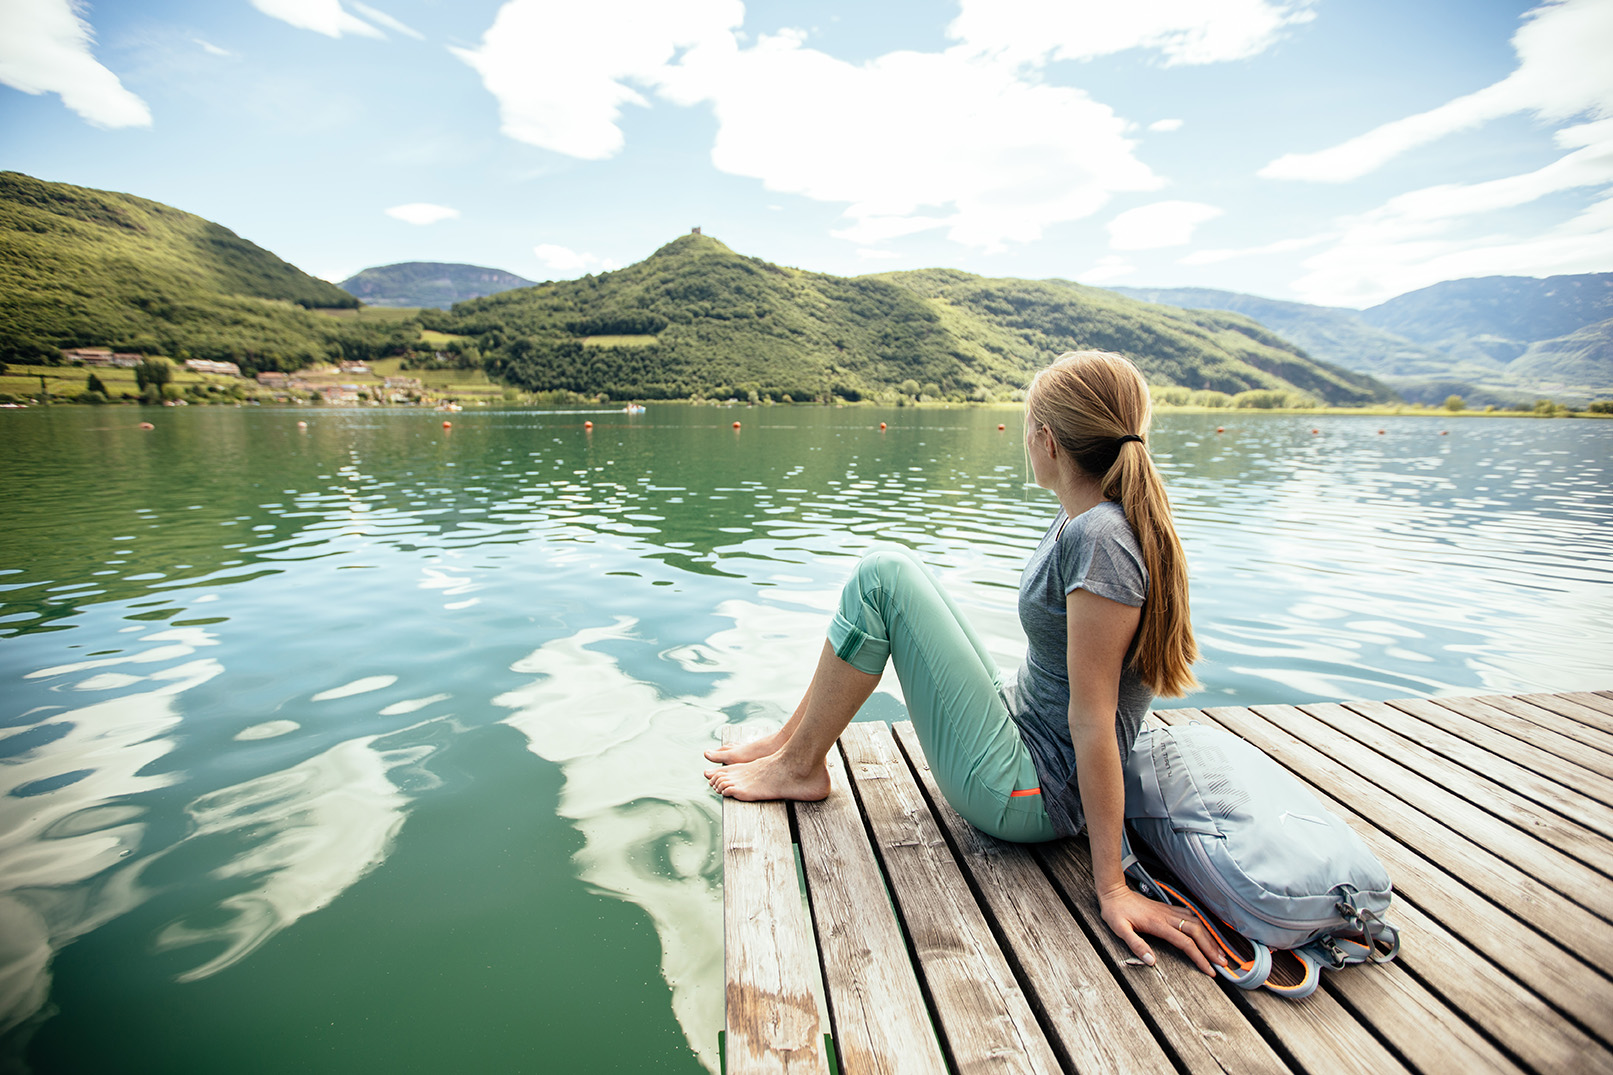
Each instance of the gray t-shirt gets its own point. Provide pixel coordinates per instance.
(1096, 551)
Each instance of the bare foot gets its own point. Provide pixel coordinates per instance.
(769, 778)
(756, 748)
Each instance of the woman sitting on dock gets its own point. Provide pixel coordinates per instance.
(1103, 602)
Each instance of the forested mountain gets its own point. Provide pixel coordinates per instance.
(81, 267)
(428, 283)
(697, 318)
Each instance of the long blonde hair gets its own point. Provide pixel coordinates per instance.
(1089, 400)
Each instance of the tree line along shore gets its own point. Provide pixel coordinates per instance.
(159, 381)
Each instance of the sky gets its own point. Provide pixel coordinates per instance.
(1338, 152)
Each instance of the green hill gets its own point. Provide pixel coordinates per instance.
(81, 267)
(428, 283)
(697, 318)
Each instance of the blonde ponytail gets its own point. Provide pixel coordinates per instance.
(1097, 406)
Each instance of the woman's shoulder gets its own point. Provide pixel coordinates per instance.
(1105, 521)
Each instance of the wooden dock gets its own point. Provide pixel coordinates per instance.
(906, 941)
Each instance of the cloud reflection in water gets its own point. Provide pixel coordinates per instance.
(316, 828)
(632, 765)
(65, 825)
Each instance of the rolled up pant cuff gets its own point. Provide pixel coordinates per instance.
(857, 647)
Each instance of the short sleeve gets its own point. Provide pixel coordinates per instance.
(1101, 556)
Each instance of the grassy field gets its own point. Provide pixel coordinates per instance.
(619, 341)
(69, 381)
(437, 339)
(373, 313)
(457, 384)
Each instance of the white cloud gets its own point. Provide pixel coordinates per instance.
(45, 48)
(421, 213)
(562, 259)
(1449, 230)
(387, 20)
(1390, 251)
(212, 49)
(1110, 268)
(1165, 125)
(1149, 227)
(1563, 71)
(968, 140)
(560, 72)
(321, 16)
(910, 141)
(982, 150)
(1183, 31)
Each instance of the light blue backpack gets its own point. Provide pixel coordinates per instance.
(1234, 837)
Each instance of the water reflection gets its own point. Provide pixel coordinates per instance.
(67, 822)
(311, 831)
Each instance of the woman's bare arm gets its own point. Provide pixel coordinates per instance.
(1100, 633)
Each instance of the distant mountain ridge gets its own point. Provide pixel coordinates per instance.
(1496, 318)
(428, 283)
(1492, 339)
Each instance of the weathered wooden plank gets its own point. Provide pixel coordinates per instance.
(1089, 1018)
(1477, 788)
(1566, 801)
(1572, 879)
(1553, 719)
(880, 1020)
(1319, 1033)
(1572, 925)
(982, 1013)
(1590, 700)
(1496, 711)
(1486, 963)
(1196, 1020)
(1594, 722)
(769, 954)
(1448, 714)
(1416, 1023)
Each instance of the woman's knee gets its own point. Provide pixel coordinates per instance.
(889, 563)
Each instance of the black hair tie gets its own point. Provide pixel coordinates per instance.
(1128, 436)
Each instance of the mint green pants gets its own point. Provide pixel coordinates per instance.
(893, 609)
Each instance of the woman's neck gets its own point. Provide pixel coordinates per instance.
(1077, 491)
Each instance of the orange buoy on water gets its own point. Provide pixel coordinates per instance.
(1001, 427)
(1220, 429)
(736, 425)
(882, 427)
(147, 425)
(1381, 432)
(588, 425)
(302, 425)
(1314, 431)
(448, 425)
(1444, 432)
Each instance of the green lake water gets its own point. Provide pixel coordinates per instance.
(373, 746)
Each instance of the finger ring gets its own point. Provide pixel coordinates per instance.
(1181, 927)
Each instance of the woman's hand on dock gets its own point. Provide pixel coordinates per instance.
(1131, 914)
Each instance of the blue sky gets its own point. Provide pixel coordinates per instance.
(1327, 151)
